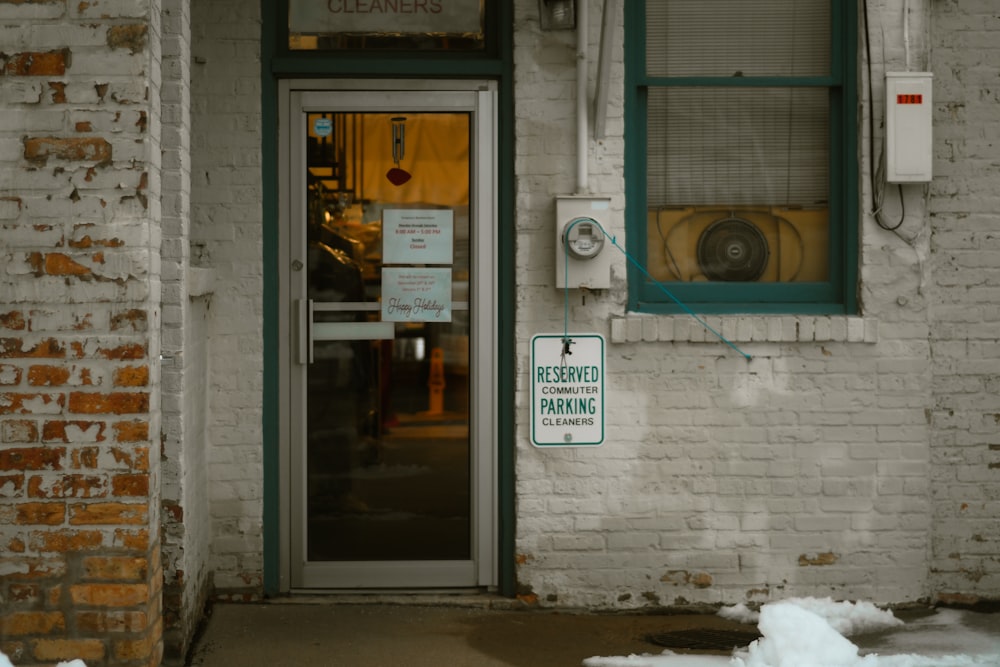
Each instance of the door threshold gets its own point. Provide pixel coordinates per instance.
(472, 598)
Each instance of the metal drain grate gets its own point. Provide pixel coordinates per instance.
(704, 640)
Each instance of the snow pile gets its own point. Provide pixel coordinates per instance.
(665, 659)
(798, 637)
(740, 613)
(804, 632)
(847, 618)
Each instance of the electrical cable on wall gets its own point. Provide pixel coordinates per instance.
(886, 168)
(567, 341)
(877, 173)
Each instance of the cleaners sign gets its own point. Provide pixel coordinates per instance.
(381, 16)
(567, 390)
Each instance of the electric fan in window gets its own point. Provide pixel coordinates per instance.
(733, 249)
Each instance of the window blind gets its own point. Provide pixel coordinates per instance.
(722, 146)
(737, 37)
(737, 145)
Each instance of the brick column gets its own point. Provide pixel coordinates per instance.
(184, 488)
(80, 573)
(965, 289)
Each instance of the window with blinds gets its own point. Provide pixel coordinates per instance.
(737, 38)
(734, 144)
(740, 144)
(748, 146)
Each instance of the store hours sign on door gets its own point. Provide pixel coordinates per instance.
(416, 238)
(567, 390)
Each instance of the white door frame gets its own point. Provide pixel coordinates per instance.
(479, 98)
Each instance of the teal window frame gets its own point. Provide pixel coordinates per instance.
(835, 296)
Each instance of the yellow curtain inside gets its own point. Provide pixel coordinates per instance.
(435, 154)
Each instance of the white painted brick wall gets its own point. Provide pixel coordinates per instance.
(186, 524)
(227, 228)
(811, 470)
(965, 289)
(802, 472)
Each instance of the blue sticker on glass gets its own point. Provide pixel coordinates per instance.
(323, 127)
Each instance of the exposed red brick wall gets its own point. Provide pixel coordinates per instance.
(80, 569)
(81, 574)
(35, 63)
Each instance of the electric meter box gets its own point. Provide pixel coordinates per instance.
(909, 145)
(583, 251)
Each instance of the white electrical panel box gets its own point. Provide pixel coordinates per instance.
(909, 146)
(583, 251)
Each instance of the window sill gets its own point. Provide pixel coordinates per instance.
(635, 328)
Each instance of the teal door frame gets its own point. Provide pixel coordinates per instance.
(497, 64)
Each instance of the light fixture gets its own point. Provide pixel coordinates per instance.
(557, 14)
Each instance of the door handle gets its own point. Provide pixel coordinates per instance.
(304, 308)
(309, 331)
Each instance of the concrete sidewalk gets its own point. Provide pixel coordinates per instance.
(449, 632)
(484, 631)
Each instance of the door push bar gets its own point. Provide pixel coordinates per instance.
(310, 331)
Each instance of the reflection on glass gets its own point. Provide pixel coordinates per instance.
(387, 420)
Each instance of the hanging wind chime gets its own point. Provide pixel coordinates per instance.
(396, 175)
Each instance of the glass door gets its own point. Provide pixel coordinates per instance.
(390, 293)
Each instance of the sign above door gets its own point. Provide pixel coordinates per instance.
(384, 16)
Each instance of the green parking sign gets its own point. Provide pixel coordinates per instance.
(567, 390)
